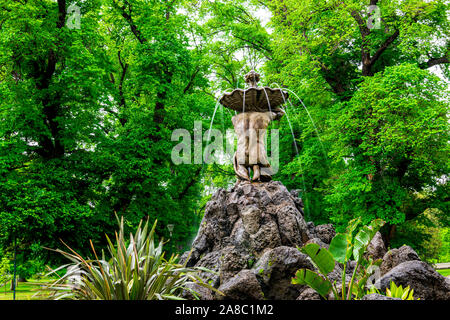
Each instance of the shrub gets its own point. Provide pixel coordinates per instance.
(343, 247)
(395, 292)
(136, 270)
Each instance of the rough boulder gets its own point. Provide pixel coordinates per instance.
(249, 235)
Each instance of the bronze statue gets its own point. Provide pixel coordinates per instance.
(257, 106)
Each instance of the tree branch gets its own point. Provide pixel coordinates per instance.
(435, 61)
(191, 80)
(129, 19)
(384, 46)
(185, 190)
(124, 67)
(61, 13)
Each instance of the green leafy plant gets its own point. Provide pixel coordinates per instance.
(5, 275)
(136, 270)
(399, 292)
(395, 292)
(29, 268)
(344, 246)
(373, 289)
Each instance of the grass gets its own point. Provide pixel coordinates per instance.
(444, 272)
(24, 290)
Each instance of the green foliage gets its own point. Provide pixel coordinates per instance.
(339, 246)
(27, 268)
(380, 128)
(135, 270)
(5, 266)
(313, 280)
(396, 135)
(399, 292)
(87, 114)
(29, 262)
(355, 241)
(343, 247)
(444, 254)
(321, 258)
(426, 234)
(395, 292)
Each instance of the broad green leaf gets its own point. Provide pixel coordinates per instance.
(321, 257)
(375, 226)
(361, 241)
(340, 248)
(364, 236)
(312, 279)
(352, 227)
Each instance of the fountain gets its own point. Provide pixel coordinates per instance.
(254, 98)
(257, 106)
(250, 234)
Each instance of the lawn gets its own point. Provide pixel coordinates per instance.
(444, 272)
(25, 290)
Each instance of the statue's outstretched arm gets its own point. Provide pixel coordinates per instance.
(278, 113)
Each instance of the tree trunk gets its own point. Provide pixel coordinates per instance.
(11, 288)
(390, 235)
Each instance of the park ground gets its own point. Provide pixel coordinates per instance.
(27, 290)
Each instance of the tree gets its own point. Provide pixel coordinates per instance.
(87, 113)
(51, 92)
(87, 116)
(328, 53)
(393, 135)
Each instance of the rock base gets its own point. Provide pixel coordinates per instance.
(249, 236)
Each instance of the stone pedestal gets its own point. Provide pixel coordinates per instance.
(249, 235)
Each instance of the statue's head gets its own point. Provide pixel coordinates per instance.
(252, 78)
